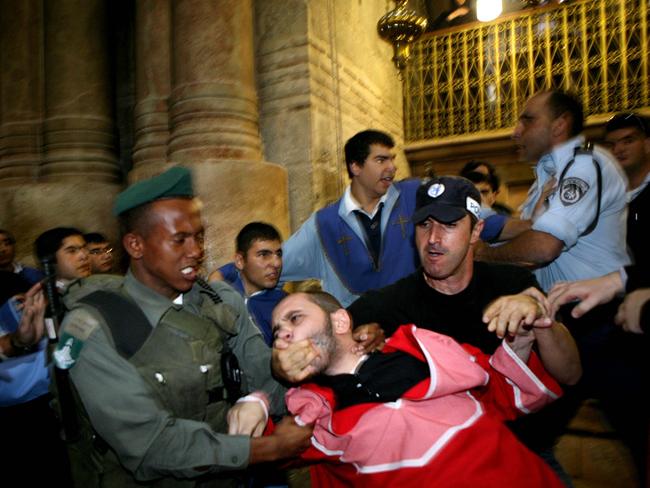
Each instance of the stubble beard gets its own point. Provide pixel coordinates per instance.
(325, 342)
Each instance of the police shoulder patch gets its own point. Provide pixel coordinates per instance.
(572, 190)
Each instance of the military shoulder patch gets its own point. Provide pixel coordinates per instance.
(73, 335)
(572, 190)
(67, 352)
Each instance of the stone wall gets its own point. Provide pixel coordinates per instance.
(256, 96)
(323, 74)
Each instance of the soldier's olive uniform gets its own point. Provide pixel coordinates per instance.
(157, 414)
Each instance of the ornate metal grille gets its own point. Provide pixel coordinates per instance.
(476, 79)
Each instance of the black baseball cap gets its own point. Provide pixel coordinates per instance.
(446, 199)
(625, 120)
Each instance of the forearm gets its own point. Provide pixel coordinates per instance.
(187, 449)
(522, 345)
(530, 247)
(264, 449)
(513, 227)
(559, 353)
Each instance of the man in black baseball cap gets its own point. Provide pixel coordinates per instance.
(447, 225)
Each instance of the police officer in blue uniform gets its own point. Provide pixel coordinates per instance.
(580, 233)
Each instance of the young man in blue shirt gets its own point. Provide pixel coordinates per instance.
(255, 273)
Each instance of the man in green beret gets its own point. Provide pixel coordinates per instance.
(158, 358)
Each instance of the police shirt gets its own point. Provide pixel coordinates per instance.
(572, 207)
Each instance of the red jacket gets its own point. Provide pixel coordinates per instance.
(446, 431)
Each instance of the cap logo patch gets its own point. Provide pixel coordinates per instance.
(436, 190)
(473, 207)
(572, 190)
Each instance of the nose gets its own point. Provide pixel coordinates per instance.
(276, 262)
(284, 333)
(84, 255)
(195, 248)
(434, 234)
(516, 132)
(391, 164)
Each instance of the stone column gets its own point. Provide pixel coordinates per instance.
(79, 132)
(21, 100)
(153, 86)
(214, 121)
(78, 177)
(214, 104)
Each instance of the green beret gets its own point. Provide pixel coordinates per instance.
(175, 182)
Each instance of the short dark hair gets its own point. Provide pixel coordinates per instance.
(324, 300)
(358, 146)
(50, 241)
(95, 238)
(476, 177)
(134, 219)
(255, 231)
(492, 177)
(561, 102)
(626, 120)
(9, 235)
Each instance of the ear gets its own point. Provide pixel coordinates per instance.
(560, 126)
(341, 322)
(239, 261)
(476, 232)
(134, 245)
(355, 168)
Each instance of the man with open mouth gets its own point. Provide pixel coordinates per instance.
(364, 240)
(172, 378)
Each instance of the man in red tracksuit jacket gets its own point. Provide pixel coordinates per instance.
(424, 410)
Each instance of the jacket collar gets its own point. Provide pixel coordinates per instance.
(153, 304)
(560, 154)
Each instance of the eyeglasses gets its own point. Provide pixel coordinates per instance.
(98, 250)
(620, 121)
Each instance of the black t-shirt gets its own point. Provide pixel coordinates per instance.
(411, 301)
(380, 378)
